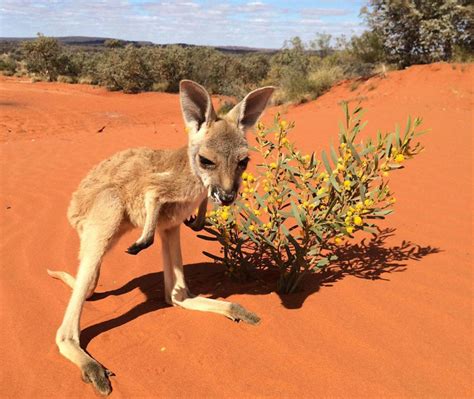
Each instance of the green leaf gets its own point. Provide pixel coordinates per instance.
(354, 152)
(333, 154)
(382, 213)
(407, 128)
(296, 214)
(388, 146)
(397, 136)
(334, 183)
(362, 190)
(326, 162)
(322, 262)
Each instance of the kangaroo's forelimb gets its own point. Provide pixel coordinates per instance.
(197, 223)
(152, 209)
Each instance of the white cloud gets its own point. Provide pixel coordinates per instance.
(213, 22)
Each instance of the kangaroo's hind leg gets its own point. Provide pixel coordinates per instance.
(176, 290)
(102, 222)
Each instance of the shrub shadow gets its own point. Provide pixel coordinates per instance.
(371, 259)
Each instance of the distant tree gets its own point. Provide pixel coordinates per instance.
(322, 44)
(170, 65)
(114, 43)
(420, 31)
(367, 48)
(43, 56)
(125, 69)
(289, 69)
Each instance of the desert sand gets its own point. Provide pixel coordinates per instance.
(395, 321)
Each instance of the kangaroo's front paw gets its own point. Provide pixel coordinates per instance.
(138, 246)
(190, 221)
(239, 313)
(93, 373)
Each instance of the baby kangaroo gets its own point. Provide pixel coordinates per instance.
(158, 190)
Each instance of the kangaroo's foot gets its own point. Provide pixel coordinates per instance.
(183, 298)
(93, 373)
(239, 313)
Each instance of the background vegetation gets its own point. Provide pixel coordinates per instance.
(401, 33)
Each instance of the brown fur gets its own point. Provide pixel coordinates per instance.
(157, 190)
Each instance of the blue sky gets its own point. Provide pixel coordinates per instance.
(255, 23)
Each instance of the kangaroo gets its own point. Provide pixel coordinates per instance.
(158, 190)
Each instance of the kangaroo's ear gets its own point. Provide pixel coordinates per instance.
(196, 105)
(246, 113)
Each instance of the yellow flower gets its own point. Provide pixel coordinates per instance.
(350, 229)
(399, 158)
(252, 227)
(269, 175)
(306, 158)
(273, 165)
(250, 177)
(283, 124)
(338, 240)
(245, 175)
(321, 191)
(357, 220)
(256, 212)
(305, 204)
(385, 174)
(393, 200)
(269, 225)
(359, 206)
(343, 145)
(348, 219)
(224, 215)
(349, 213)
(347, 184)
(368, 202)
(284, 141)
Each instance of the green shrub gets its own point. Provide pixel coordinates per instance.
(421, 31)
(297, 209)
(8, 65)
(42, 56)
(125, 69)
(66, 79)
(324, 78)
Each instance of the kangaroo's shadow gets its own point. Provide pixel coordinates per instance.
(370, 259)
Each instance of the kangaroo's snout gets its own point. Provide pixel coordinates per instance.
(223, 197)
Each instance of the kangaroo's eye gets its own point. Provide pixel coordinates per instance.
(243, 163)
(206, 163)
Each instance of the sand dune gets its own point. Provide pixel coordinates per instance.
(406, 334)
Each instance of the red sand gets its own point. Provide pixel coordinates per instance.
(408, 334)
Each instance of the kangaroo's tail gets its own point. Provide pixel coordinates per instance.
(66, 278)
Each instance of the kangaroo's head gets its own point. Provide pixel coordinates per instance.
(218, 149)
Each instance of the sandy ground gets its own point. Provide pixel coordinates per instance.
(406, 334)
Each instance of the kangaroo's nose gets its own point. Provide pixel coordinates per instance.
(227, 198)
